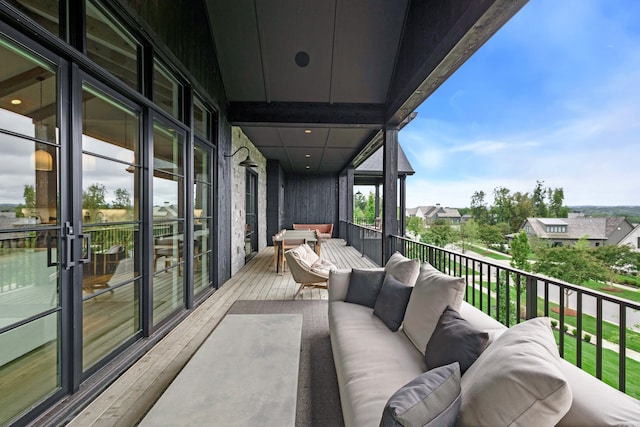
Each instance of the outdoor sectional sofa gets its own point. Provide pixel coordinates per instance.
(325, 230)
(479, 372)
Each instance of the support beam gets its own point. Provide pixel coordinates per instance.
(402, 226)
(390, 190)
(316, 114)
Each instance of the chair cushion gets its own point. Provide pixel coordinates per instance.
(323, 267)
(433, 292)
(517, 380)
(454, 340)
(392, 302)
(301, 254)
(431, 399)
(364, 286)
(404, 269)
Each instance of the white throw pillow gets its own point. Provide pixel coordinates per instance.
(403, 269)
(517, 380)
(433, 292)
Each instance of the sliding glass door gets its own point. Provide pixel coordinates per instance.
(32, 291)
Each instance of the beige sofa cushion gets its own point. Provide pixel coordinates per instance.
(433, 292)
(517, 380)
(371, 362)
(404, 269)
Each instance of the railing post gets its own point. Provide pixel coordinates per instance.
(531, 298)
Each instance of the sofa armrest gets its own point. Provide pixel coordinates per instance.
(338, 284)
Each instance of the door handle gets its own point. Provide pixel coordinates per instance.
(68, 249)
(50, 263)
(87, 238)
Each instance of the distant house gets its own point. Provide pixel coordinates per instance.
(633, 238)
(566, 231)
(431, 213)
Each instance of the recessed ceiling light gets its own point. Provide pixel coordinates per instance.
(307, 155)
(302, 59)
(307, 131)
(16, 101)
(308, 167)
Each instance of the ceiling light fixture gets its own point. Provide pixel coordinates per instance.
(307, 155)
(248, 162)
(16, 101)
(307, 131)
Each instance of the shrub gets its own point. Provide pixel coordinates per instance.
(587, 338)
(554, 323)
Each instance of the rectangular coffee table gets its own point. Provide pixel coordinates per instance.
(244, 374)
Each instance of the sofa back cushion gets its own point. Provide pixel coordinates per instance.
(403, 269)
(517, 380)
(433, 292)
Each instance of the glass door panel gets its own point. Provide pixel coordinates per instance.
(202, 216)
(110, 216)
(30, 310)
(168, 220)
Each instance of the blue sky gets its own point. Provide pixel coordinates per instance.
(553, 96)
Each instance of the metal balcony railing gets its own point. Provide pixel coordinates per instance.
(596, 331)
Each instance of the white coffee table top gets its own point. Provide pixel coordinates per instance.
(244, 374)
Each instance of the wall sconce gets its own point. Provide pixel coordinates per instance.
(247, 163)
(43, 160)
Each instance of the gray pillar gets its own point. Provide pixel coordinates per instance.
(390, 190)
(403, 206)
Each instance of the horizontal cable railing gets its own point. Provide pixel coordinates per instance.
(595, 330)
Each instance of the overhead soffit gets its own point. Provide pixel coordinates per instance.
(343, 93)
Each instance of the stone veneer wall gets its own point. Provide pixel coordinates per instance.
(238, 188)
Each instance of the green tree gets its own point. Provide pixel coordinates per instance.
(522, 209)
(538, 201)
(123, 199)
(416, 225)
(556, 209)
(520, 251)
(29, 195)
(490, 235)
(503, 205)
(614, 259)
(479, 209)
(359, 204)
(574, 264)
(94, 197)
(439, 234)
(468, 234)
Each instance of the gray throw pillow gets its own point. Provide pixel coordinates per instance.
(364, 286)
(454, 340)
(392, 302)
(431, 399)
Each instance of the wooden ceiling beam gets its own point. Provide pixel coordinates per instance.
(299, 114)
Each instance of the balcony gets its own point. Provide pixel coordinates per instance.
(128, 399)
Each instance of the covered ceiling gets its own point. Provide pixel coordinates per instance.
(313, 82)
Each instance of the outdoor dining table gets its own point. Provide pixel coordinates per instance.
(280, 241)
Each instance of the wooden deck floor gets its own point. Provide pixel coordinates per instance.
(128, 399)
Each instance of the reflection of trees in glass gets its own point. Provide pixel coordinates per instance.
(123, 199)
(94, 197)
(29, 196)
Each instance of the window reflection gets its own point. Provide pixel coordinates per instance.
(168, 93)
(111, 46)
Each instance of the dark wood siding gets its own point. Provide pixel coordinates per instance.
(311, 199)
